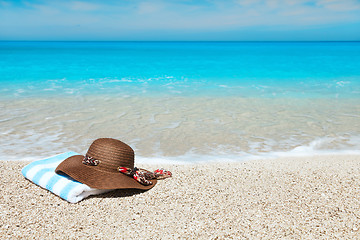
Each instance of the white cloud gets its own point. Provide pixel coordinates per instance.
(4, 4)
(171, 16)
(340, 6)
(84, 6)
(150, 7)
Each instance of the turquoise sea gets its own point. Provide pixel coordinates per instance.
(180, 101)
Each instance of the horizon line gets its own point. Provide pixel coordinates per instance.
(179, 40)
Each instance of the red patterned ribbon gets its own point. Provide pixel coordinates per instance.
(90, 161)
(143, 176)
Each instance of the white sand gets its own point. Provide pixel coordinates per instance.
(292, 198)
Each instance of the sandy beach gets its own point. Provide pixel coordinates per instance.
(292, 198)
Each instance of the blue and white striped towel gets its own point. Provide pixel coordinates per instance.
(42, 173)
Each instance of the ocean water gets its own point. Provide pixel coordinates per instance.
(180, 101)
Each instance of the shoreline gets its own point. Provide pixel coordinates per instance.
(213, 158)
(291, 197)
(199, 126)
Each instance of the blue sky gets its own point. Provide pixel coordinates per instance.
(234, 20)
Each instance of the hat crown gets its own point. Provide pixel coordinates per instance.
(111, 153)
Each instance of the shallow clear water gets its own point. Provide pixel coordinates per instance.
(180, 101)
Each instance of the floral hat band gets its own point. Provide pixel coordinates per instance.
(141, 175)
(90, 161)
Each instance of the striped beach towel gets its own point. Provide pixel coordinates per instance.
(42, 173)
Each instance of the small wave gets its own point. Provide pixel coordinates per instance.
(342, 83)
(303, 151)
(315, 148)
(173, 125)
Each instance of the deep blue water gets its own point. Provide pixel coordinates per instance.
(244, 69)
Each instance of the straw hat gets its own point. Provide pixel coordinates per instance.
(99, 168)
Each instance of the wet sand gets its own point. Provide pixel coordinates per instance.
(292, 198)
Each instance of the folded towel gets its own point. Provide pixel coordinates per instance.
(42, 173)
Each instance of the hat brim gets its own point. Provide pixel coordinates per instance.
(97, 178)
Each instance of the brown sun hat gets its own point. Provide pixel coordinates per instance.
(99, 167)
